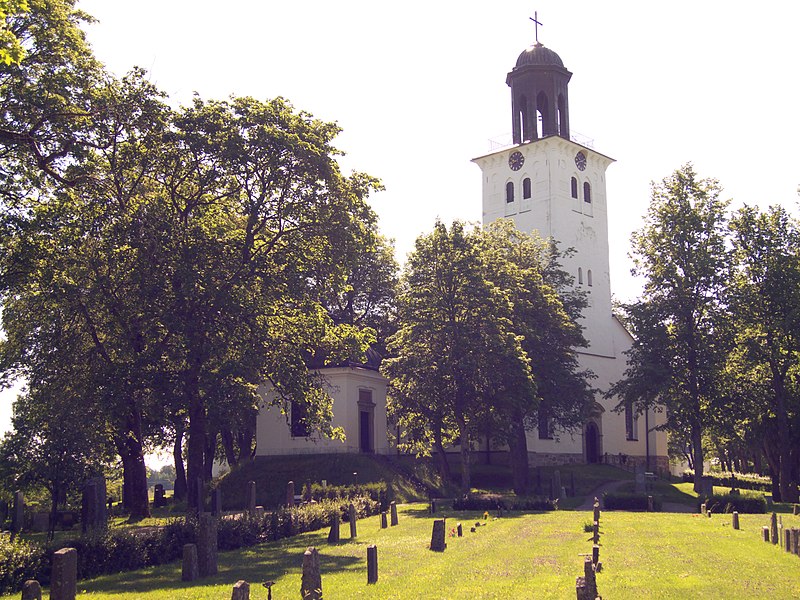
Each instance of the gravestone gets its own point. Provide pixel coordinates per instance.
(372, 564)
(216, 502)
(773, 528)
(589, 575)
(18, 513)
(290, 494)
(650, 506)
(241, 590)
(787, 540)
(703, 509)
(765, 533)
(189, 570)
(311, 583)
(31, 590)
(596, 509)
(384, 521)
(460, 530)
(595, 554)
(93, 505)
(796, 510)
(158, 496)
(735, 520)
(437, 536)
(40, 521)
(351, 514)
(207, 545)
(706, 486)
(333, 535)
(393, 509)
(64, 576)
(641, 481)
(556, 483)
(251, 497)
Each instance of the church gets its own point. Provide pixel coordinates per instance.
(544, 181)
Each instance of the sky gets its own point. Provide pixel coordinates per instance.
(419, 89)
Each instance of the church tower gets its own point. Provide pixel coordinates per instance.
(551, 184)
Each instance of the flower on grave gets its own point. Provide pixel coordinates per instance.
(453, 532)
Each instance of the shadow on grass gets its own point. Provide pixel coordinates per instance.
(255, 564)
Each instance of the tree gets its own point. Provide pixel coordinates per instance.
(679, 324)
(765, 293)
(11, 50)
(454, 338)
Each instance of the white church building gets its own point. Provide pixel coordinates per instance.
(544, 182)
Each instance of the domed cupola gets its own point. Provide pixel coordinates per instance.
(539, 100)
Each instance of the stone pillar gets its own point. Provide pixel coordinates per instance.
(189, 571)
(437, 536)
(773, 528)
(765, 533)
(251, 497)
(735, 520)
(384, 521)
(207, 545)
(290, 494)
(93, 505)
(64, 576)
(459, 530)
(393, 510)
(311, 584)
(333, 536)
(31, 590)
(589, 576)
(372, 564)
(241, 590)
(18, 513)
(216, 502)
(351, 513)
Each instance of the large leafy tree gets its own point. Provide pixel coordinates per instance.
(765, 293)
(454, 341)
(680, 322)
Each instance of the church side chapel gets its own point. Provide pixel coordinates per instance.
(547, 182)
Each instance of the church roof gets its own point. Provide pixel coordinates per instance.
(540, 56)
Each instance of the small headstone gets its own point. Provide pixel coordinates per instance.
(290, 494)
(18, 512)
(650, 504)
(596, 508)
(773, 529)
(795, 540)
(703, 509)
(333, 536)
(207, 545)
(324, 484)
(706, 486)
(393, 510)
(241, 590)
(251, 497)
(437, 536)
(31, 590)
(433, 506)
(796, 510)
(595, 554)
(589, 570)
(351, 515)
(93, 505)
(64, 576)
(158, 496)
(189, 571)
(460, 530)
(311, 583)
(787, 540)
(556, 483)
(372, 564)
(765, 533)
(735, 520)
(216, 501)
(384, 521)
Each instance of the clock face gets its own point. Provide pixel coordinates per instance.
(516, 160)
(580, 160)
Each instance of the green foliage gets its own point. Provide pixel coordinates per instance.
(19, 561)
(745, 481)
(619, 501)
(728, 503)
(495, 502)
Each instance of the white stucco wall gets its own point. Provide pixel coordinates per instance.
(273, 434)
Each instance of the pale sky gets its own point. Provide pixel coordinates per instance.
(419, 89)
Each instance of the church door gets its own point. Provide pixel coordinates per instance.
(365, 426)
(592, 437)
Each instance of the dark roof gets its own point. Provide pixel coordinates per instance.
(540, 56)
(373, 362)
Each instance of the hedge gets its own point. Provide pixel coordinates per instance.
(114, 551)
(619, 501)
(744, 481)
(728, 503)
(486, 502)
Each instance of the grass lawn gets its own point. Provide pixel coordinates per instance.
(644, 555)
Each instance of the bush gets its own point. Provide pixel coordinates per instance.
(744, 481)
(629, 502)
(727, 503)
(19, 561)
(484, 502)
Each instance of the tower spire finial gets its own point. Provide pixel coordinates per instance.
(535, 19)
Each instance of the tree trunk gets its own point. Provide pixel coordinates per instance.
(51, 525)
(466, 470)
(441, 457)
(227, 445)
(697, 450)
(195, 455)
(518, 454)
(180, 472)
(134, 472)
(210, 454)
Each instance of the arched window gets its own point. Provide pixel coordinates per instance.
(510, 192)
(587, 192)
(589, 277)
(526, 188)
(580, 275)
(574, 188)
